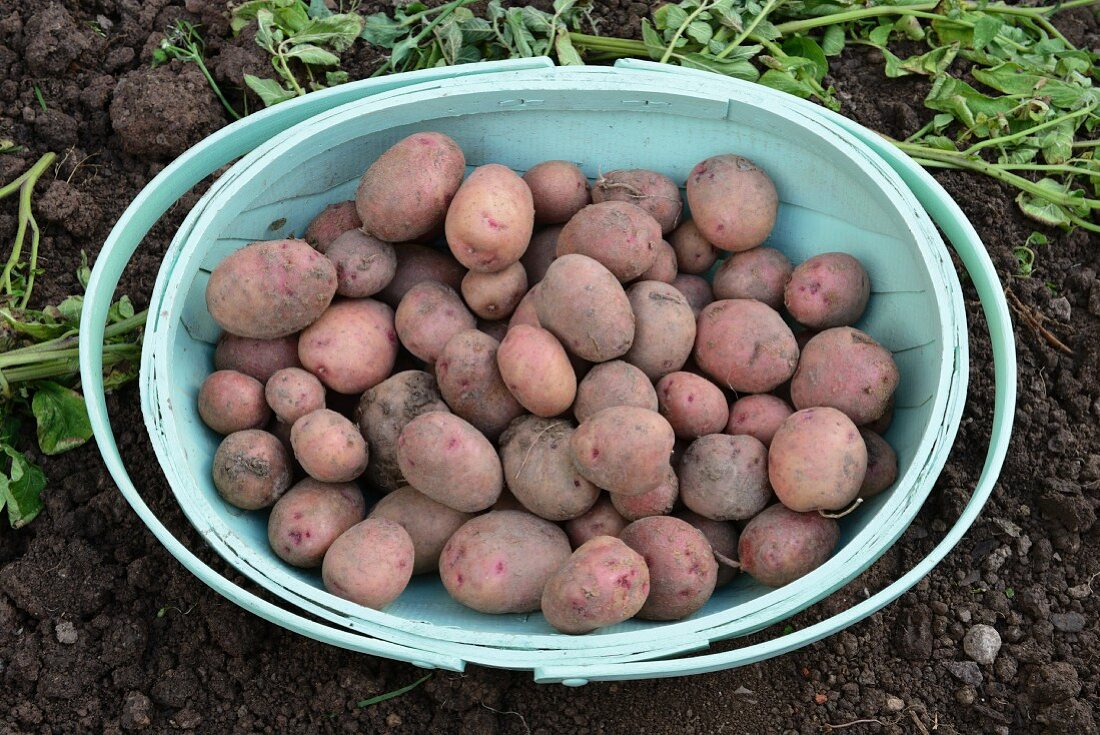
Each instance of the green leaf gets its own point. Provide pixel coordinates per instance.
(736, 68)
(537, 21)
(766, 30)
(653, 43)
(476, 30)
(881, 34)
(939, 142)
(942, 120)
(268, 90)
(83, 272)
(786, 82)
(699, 32)
(62, 418)
(986, 29)
(380, 29)
(121, 309)
(669, 17)
(318, 9)
(807, 48)
(291, 18)
(245, 13)
(832, 43)
(266, 31)
(1043, 210)
(70, 309)
(895, 67)
(310, 54)
(563, 47)
(333, 78)
(1010, 78)
(336, 31)
(21, 489)
(561, 7)
(450, 40)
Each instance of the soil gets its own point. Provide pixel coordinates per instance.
(101, 630)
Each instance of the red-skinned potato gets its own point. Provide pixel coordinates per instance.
(657, 502)
(490, 221)
(846, 369)
(780, 545)
(725, 478)
(882, 465)
(537, 371)
(328, 446)
(817, 460)
(539, 470)
(760, 273)
(601, 520)
(732, 201)
(682, 568)
(694, 255)
(664, 267)
(428, 523)
(693, 405)
(470, 383)
(495, 295)
(292, 393)
(722, 536)
(230, 401)
(745, 345)
(696, 290)
(664, 328)
(623, 449)
(828, 290)
(352, 346)
(428, 316)
(558, 190)
(614, 383)
(251, 469)
(619, 235)
(540, 253)
(258, 358)
(655, 193)
(370, 563)
(525, 312)
(759, 416)
(603, 583)
(333, 221)
(309, 517)
(364, 264)
(450, 461)
(584, 305)
(419, 263)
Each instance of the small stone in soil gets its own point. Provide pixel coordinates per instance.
(965, 696)
(965, 671)
(893, 704)
(1072, 622)
(66, 633)
(982, 643)
(136, 709)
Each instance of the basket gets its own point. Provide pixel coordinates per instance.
(836, 191)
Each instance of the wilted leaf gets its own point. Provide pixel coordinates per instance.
(832, 43)
(21, 489)
(268, 90)
(309, 54)
(62, 418)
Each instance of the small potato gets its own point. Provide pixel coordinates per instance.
(558, 190)
(370, 564)
(584, 305)
(258, 358)
(541, 253)
(882, 465)
(817, 460)
(882, 424)
(619, 235)
(758, 416)
(352, 346)
(499, 562)
(539, 470)
(722, 536)
(780, 545)
(664, 328)
(270, 289)
(292, 393)
(733, 202)
(693, 405)
(491, 219)
(450, 461)
(696, 290)
(428, 316)
(657, 502)
(828, 290)
(251, 469)
(328, 446)
(470, 383)
(309, 517)
(525, 312)
(230, 401)
(623, 449)
(745, 345)
(428, 523)
(725, 478)
(333, 221)
(364, 264)
(682, 569)
(694, 254)
(405, 193)
(614, 383)
(537, 371)
(664, 267)
(656, 193)
(384, 410)
(846, 369)
(603, 583)
(601, 520)
(760, 273)
(419, 263)
(495, 295)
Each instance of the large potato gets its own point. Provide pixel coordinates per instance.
(258, 358)
(656, 193)
(725, 478)
(495, 295)
(328, 446)
(846, 369)
(470, 383)
(693, 405)
(540, 253)
(251, 469)
(370, 563)
(333, 221)
(694, 255)
(780, 545)
(745, 345)
(428, 523)
(450, 461)
(732, 201)
(364, 264)
(828, 290)
(352, 346)
(230, 401)
(760, 273)
(491, 219)
(817, 460)
(584, 305)
(537, 371)
(270, 289)
(539, 471)
(619, 235)
(664, 328)
(623, 449)
(419, 263)
(682, 569)
(558, 190)
(309, 517)
(614, 383)
(406, 191)
(428, 316)
(603, 583)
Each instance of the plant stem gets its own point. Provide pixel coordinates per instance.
(1072, 170)
(796, 26)
(1087, 144)
(747, 30)
(680, 31)
(1028, 131)
(624, 46)
(25, 184)
(65, 367)
(69, 340)
(214, 86)
(11, 359)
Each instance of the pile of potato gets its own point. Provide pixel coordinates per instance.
(560, 413)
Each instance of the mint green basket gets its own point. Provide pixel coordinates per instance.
(840, 189)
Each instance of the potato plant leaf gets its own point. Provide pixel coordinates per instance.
(268, 90)
(21, 487)
(62, 418)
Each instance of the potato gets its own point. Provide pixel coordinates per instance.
(257, 358)
(270, 289)
(725, 478)
(694, 255)
(846, 369)
(405, 193)
(384, 410)
(328, 446)
(696, 290)
(292, 393)
(492, 328)
(882, 465)
(745, 345)
(558, 190)
(657, 502)
(732, 201)
(722, 536)
(603, 583)
(693, 405)
(682, 569)
(333, 221)
(584, 305)
(251, 469)
(428, 523)
(760, 273)
(655, 193)
(539, 469)
(428, 316)
(537, 371)
(601, 520)
(499, 562)
(664, 267)
(817, 460)
(780, 545)
(882, 424)
(364, 264)
(623, 449)
(419, 263)
(828, 290)
(352, 346)
(614, 383)
(525, 312)
(540, 253)
(309, 517)
(619, 235)
(470, 383)
(758, 416)
(370, 563)
(491, 219)
(664, 328)
(450, 461)
(230, 401)
(495, 295)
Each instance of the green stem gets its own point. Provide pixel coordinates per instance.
(1028, 131)
(747, 31)
(25, 184)
(1086, 144)
(213, 85)
(65, 367)
(1072, 170)
(927, 128)
(285, 71)
(680, 31)
(797, 26)
(608, 45)
(69, 340)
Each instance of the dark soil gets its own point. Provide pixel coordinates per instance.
(102, 631)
